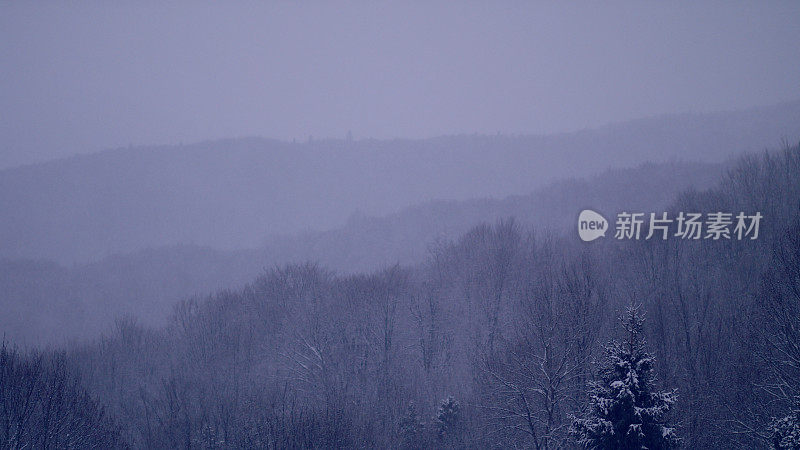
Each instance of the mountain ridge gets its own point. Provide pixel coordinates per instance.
(146, 283)
(235, 193)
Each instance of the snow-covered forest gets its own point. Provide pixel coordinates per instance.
(505, 337)
(482, 224)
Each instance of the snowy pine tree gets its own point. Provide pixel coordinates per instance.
(625, 412)
(448, 419)
(786, 432)
(411, 429)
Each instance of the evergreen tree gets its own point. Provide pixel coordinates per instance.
(786, 432)
(411, 429)
(448, 419)
(625, 412)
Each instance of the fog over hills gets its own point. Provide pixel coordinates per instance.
(401, 225)
(235, 194)
(83, 300)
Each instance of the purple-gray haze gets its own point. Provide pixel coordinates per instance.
(76, 78)
(353, 225)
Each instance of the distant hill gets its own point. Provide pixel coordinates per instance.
(235, 193)
(147, 283)
(365, 243)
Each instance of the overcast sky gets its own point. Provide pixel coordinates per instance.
(80, 77)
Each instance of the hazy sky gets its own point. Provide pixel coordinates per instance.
(79, 77)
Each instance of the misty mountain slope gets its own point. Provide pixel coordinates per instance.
(497, 321)
(85, 299)
(365, 243)
(234, 193)
(45, 302)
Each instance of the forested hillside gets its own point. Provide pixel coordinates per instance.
(232, 194)
(507, 337)
(400, 225)
(50, 303)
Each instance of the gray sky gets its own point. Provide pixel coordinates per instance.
(80, 77)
